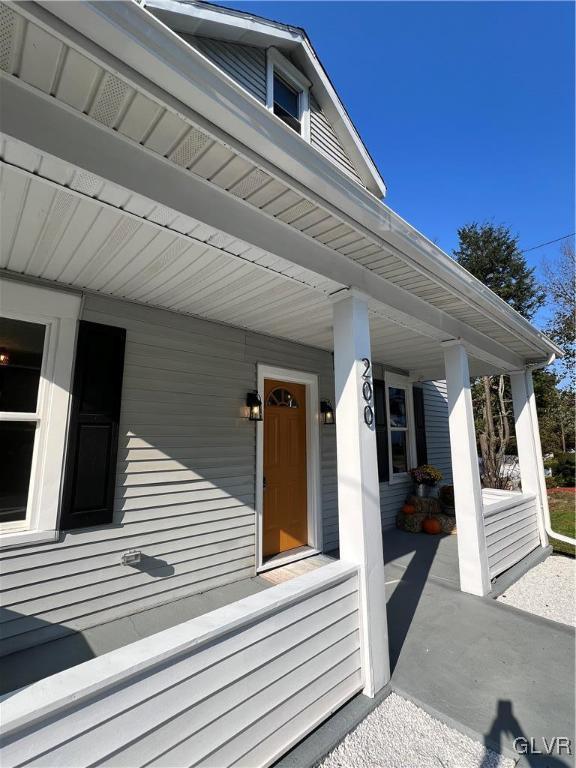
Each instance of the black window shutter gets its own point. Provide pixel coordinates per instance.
(381, 430)
(93, 433)
(420, 425)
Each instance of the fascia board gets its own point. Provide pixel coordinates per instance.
(125, 31)
(339, 119)
(242, 26)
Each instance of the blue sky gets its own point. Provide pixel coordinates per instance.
(466, 107)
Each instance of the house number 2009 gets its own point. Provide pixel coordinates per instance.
(367, 393)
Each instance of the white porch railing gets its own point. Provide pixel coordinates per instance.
(239, 685)
(511, 527)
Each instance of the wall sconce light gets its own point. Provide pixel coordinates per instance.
(327, 412)
(254, 403)
(4, 356)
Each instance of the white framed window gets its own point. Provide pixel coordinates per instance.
(400, 421)
(287, 93)
(37, 336)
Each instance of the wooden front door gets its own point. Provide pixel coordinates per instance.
(285, 524)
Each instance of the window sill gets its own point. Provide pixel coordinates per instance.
(400, 478)
(26, 538)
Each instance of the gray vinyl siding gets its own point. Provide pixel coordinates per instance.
(329, 489)
(243, 63)
(185, 479)
(247, 66)
(241, 695)
(185, 491)
(437, 430)
(392, 497)
(323, 137)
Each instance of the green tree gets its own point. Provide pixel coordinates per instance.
(561, 298)
(556, 413)
(491, 253)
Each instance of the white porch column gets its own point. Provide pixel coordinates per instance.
(529, 447)
(472, 555)
(358, 487)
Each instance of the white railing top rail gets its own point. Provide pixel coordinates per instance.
(56, 693)
(495, 502)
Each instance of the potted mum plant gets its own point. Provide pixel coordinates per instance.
(425, 477)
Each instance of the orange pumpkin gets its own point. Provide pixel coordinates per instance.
(431, 525)
(408, 509)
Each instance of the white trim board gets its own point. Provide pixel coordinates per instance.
(58, 312)
(277, 63)
(310, 380)
(401, 382)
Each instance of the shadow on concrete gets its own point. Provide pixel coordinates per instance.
(28, 665)
(534, 749)
(414, 553)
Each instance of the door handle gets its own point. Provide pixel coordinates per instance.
(264, 482)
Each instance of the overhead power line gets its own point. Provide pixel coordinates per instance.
(535, 247)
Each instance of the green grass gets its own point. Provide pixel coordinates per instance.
(563, 519)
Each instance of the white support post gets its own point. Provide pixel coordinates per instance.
(472, 555)
(529, 447)
(358, 486)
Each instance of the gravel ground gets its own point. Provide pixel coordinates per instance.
(398, 734)
(547, 590)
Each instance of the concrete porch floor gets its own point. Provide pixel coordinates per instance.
(423, 556)
(490, 670)
(487, 669)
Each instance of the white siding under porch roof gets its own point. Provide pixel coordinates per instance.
(185, 482)
(75, 234)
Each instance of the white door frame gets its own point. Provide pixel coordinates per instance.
(310, 380)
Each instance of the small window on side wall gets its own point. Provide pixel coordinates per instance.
(395, 435)
(286, 103)
(288, 93)
(398, 430)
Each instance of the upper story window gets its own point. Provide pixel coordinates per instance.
(287, 103)
(288, 93)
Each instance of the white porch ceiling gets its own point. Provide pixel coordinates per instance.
(64, 225)
(119, 99)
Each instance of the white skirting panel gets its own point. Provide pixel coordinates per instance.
(511, 528)
(238, 686)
